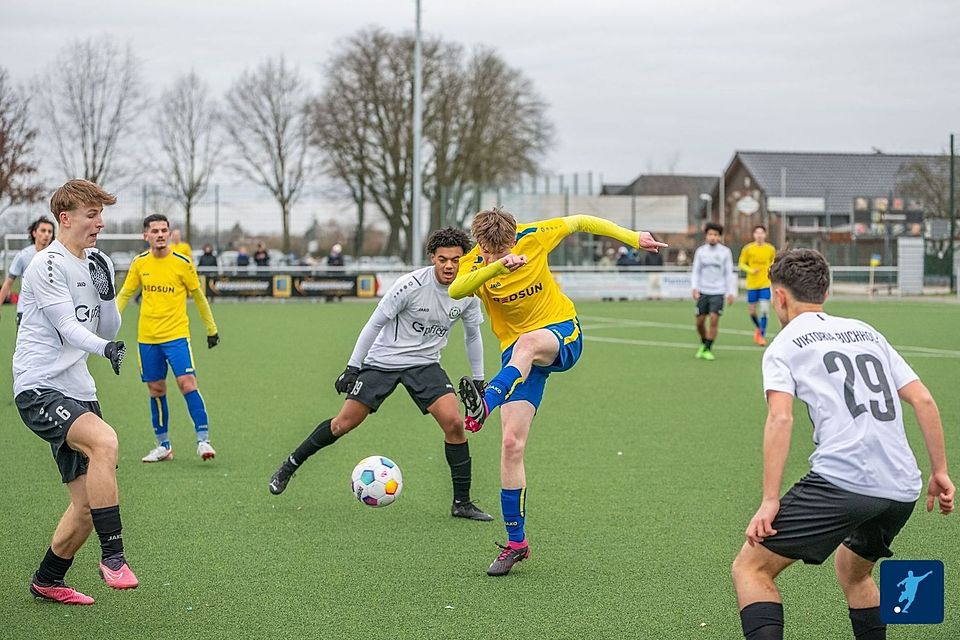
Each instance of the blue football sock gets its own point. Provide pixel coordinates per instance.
(161, 420)
(763, 325)
(756, 322)
(198, 413)
(499, 389)
(512, 503)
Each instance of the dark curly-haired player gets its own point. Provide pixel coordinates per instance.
(401, 344)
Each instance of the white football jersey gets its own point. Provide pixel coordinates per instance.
(713, 270)
(421, 313)
(19, 265)
(42, 358)
(848, 375)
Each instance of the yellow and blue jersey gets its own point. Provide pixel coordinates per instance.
(757, 257)
(529, 298)
(165, 283)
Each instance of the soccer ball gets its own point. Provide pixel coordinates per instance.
(376, 481)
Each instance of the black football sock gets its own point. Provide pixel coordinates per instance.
(107, 523)
(866, 624)
(321, 437)
(755, 319)
(762, 621)
(708, 343)
(458, 457)
(52, 569)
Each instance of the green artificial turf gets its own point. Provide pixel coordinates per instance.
(643, 470)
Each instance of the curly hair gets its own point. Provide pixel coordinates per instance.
(805, 273)
(449, 237)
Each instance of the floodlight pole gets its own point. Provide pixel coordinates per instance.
(415, 233)
(953, 218)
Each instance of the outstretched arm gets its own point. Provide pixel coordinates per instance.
(940, 486)
(776, 446)
(464, 285)
(602, 227)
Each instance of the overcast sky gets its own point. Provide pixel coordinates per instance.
(633, 87)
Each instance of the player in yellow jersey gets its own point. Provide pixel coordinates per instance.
(755, 259)
(538, 331)
(177, 245)
(163, 334)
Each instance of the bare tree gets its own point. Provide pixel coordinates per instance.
(90, 100)
(18, 171)
(928, 180)
(267, 122)
(187, 135)
(483, 126)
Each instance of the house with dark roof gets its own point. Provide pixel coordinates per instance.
(841, 196)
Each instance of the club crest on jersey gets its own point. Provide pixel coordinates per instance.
(454, 313)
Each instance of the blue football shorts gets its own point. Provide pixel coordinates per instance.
(570, 337)
(754, 295)
(154, 359)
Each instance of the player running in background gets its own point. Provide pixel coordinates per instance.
(755, 260)
(712, 280)
(177, 245)
(401, 344)
(538, 331)
(69, 312)
(42, 234)
(864, 480)
(163, 333)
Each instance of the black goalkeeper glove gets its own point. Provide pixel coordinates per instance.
(114, 352)
(346, 380)
(213, 340)
(100, 274)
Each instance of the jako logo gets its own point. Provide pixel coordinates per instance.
(529, 291)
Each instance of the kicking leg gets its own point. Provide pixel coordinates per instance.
(539, 347)
(761, 610)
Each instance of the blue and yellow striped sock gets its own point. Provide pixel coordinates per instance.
(161, 420)
(500, 388)
(513, 505)
(198, 412)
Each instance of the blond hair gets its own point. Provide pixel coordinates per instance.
(76, 193)
(494, 229)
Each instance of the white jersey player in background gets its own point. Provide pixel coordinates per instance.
(41, 234)
(712, 282)
(69, 312)
(401, 344)
(864, 480)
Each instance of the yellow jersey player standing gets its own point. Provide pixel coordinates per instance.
(163, 332)
(755, 259)
(539, 334)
